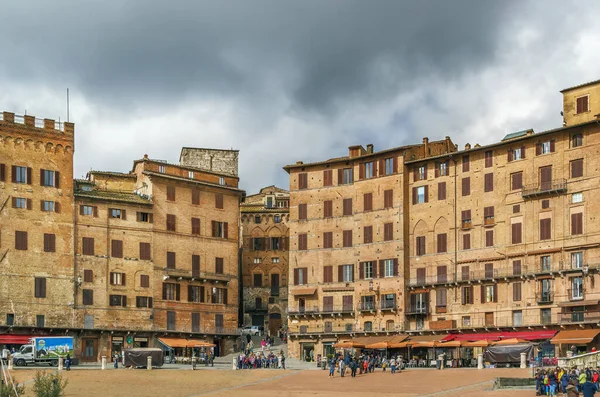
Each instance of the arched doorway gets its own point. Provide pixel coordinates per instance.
(274, 323)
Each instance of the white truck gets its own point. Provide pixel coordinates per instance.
(44, 350)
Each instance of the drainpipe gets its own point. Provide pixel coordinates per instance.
(455, 223)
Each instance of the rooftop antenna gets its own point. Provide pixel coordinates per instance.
(67, 105)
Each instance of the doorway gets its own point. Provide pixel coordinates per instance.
(308, 351)
(89, 350)
(274, 323)
(301, 305)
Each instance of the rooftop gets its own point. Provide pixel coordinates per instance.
(113, 196)
(195, 181)
(111, 173)
(581, 85)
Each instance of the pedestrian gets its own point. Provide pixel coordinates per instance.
(68, 362)
(5, 354)
(353, 366)
(384, 364)
(571, 389)
(582, 380)
(393, 365)
(552, 383)
(564, 383)
(589, 388)
(342, 367)
(116, 360)
(331, 367)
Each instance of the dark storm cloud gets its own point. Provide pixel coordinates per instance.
(130, 51)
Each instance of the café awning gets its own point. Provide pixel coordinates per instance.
(510, 341)
(495, 336)
(575, 337)
(181, 342)
(477, 343)
(11, 339)
(303, 291)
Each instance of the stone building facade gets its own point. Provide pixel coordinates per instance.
(500, 237)
(265, 236)
(347, 234)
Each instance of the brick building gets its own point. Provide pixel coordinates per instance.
(265, 234)
(497, 237)
(36, 225)
(347, 245)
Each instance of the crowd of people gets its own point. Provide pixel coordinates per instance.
(363, 364)
(568, 382)
(261, 360)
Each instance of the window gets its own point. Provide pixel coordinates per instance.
(441, 169)
(576, 288)
(367, 302)
(369, 170)
(420, 173)
(117, 300)
(368, 202)
(257, 261)
(275, 243)
(170, 193)
(545, 204)
(347, 206)
(347, 238)
(19, 174)
(516, 233)
(389, 324)
(219, 201)
(327, 209)
(488, 215)
(88, 246)
(39, 320)
(466, 321)
(47, 178)
(466, 241)
(388, 231)
(577, 168)
(328, 274)
(420, 195)
(327, 178)
(488, 182)
(162, 169)
(220, 229)
(87, 210)
(40, 287)
(389, 268)
(546, 316)
(10, 319)
(143, 302)
(302, 181)
(442, 240)
(516, 292)
(441, 295)
(388, 198)
(442, 191)
(19, 202)
(191, 174)
(49, 242)
(546, 263)
(195, 266)
(465, 164)
(328, 240)
(420, 245)
(347, 273)
(302, 242)
(171, 260)
(116, 213)
(467, 295)
(368, 234)
(516, 268)
(489, 294)
(544, 147)
(219, 265)
(576, 140)
(275, 260)
(389, 166)
(517, 318)
(88, 276)
(219, 295)
(577, 260)
(20, 240)
(516, 208)
(369, 269)
(88, 297)
(421, 273)
(221, 181)
(49, 206)
(516, 154)
(171, 222)
(302, 212)
(582, 104)
(545, 229)
(117, 278)
(516, 181)
(144, 281)
(576, 224)
(347, 176)
(489, 270)
(577, 198)
(171, 320)
(277, 218)
(116, 248)
(195, 322)
(489, 238)
(300, 276)
(195, 225)
(489, 159)
(368, 326)
(258, 244)
(466, 219)
(466, 186)
(171, 291)
(195, 293)
(195, 197)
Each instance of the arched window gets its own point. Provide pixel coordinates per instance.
(368, 326)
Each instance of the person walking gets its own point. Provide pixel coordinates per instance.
(589, 388)
(342, 364)
(353, 366)
(116, 360)
(332, 368)
(393, 365)
(68, 362)
(582, 380)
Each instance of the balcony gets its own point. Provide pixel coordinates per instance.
(440, 309)
(339, 310)
(304, 311)
(202, 276)
(575, 294)
(323, 329)
(556, 187)
(366, 307)
(253, 307)
(418, 310)
(387, 305)
(580, 317)
(544, 297)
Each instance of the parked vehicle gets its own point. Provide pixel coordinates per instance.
(251, 330)
(44, 350)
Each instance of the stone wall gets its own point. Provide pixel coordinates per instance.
(213, 160)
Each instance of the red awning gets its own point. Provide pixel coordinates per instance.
(495, 336)
(11, 339)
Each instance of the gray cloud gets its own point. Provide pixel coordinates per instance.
(288, 80)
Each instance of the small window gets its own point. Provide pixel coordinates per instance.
(420, 194)
(48, 206)
(368, 326)
(257, 261)
(421, 173)
(47, 178)
(117, 278)
(577, 198)
(10, 319)
(275, 260)
(115, 213)
(221, 181)
(545, 204)
(583, 104)
(40, 320)
(369, 170)
(368, 266)
(88, 297)
(389, 166)
(517, 154)
(20, 175)
(516, 208)
(257, 219)
(20, 203)
(191, 174)
(388, 266)
(143, 217)
(162, 169)
(87, 210)
(576, 140)
(545, 147)
(277, 218)
(347, 176)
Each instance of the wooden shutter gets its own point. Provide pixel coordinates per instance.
(302, 180)
(465, 163)
(489, 182)
(395, 164)
(516, 292)
(442, 243)
(466, 241)
(361, 171)
(327, 177)
(421, 275)
(516, 268)
(465, 273)
(171, 193)
(523, 151)
(225, 230)
(361, 270)
(538, 148)
(340, 173)
(442, 191)
(545, 229)
(489, 159)
(219, 265)
(195, 197)
(49, 242)
(219, 201)
(381, 167)
(347, 206)
(57, 207)
(56, 179)
(177, 292)
(195, 266)
(388, 231)
(214, 228)
(577, 168)
(466, 186)
(123, 279)
(517, 181)
(368, 234)
(381, 271)
(436, 167)
(388, 198)
(489, 238)
(495, 293)
(42, 177)
(95, 210)
(510, 155)
(482, 291)
(171, 260)
(395, 266)
(144, 281)
(29, 177)
(367, 201)
(116, 248)
(516, 233)
(29, 204)
(327, 209)
(426, 193)
(414, 195)
(190, 294)
(195, 225)
(302, 212)
(2, 172)
(577, 223)
(296, 276)
(552, 146)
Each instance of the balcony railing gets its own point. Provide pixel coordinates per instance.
(418, 309)
(366, 306)
(544, 297)
(575, 294)
(557, 186)
(338, 310)
(304, 311)
(580, 317)
(387, 305)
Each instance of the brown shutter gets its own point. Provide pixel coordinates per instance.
(214, 228)
(466, 241)
(123, 277)
(510, 155)
(295, 276)
(395, 161)
(29, 178)
(395, 266)
(381, 167)
(495, 293)
(523, 151)
(177, 292)
(302, 211)
(42, 177)
(482, 290)
(381, 268)
(436, 167)
(576, 223)
(361, 271)
(466, 186)
(538, 149)
(340, 176)
(57, 207)
(124, 215)
(426, 193)
(195, 197)
(56, 179)
(465, 164)
(552, 146)
(14, 202)
(95, 208)
(442, 191)
(361, 171)
(414, 195)
(2, 172)
(13, 173)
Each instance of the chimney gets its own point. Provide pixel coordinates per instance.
(370, 148)
(299, 162)
(145, 156)
(467, 146)
(449, 145)
(426, 146)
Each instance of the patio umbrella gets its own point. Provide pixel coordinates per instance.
(379, 345)
(398, 345)
(425, 344)
(478, 343)
(454, 343)
(511, 341)
(348, 345)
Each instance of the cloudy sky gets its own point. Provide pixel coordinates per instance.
(284, 80)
